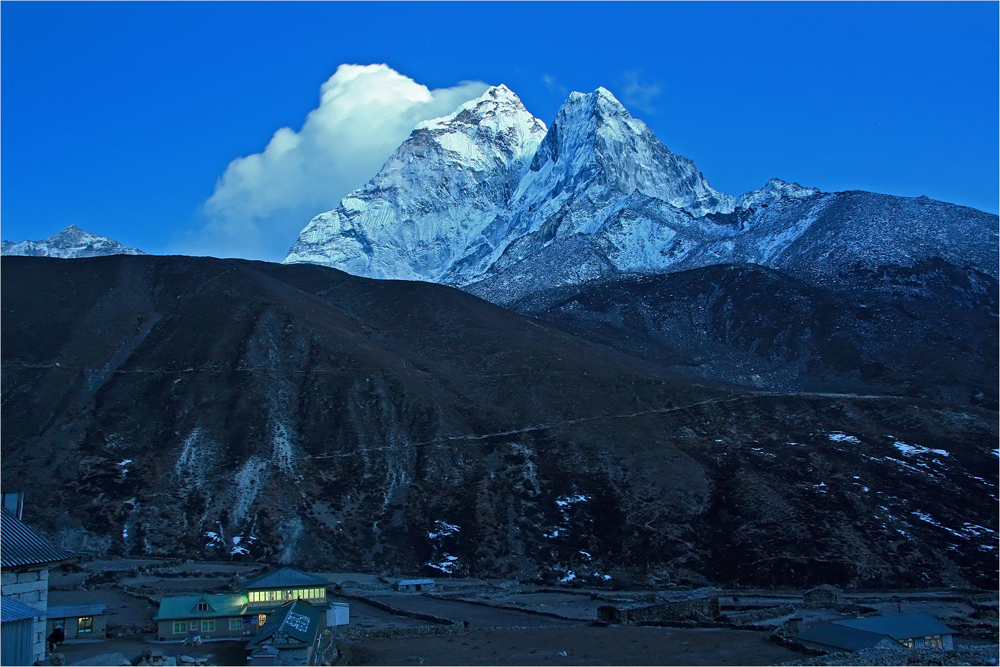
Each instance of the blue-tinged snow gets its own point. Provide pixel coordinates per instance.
(489, 200)
(437, 192)
(70, 243)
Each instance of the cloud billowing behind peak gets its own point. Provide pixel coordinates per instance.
(364, 113)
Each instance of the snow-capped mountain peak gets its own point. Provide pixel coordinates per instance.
(437, 192)
(772, 191)
(70, 243)
(486, 186)
(489, 200)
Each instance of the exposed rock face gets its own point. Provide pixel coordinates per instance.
(69, 243)
(489, 201)
(436, 194)
(306, 416)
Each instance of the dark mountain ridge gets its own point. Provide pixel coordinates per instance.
(293, 413)
(927, 330)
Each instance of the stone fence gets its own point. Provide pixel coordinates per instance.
(510, 607)
(401, 612)
(356, 633)
(754, 615)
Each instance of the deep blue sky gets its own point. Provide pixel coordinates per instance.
(119, 117)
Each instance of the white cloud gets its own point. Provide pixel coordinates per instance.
(263, 200)
(638, 93)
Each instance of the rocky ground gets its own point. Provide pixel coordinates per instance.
(177, 407)
(960, 655)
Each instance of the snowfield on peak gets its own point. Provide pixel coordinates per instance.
(437, 193)
(70, 243)
(489, 200)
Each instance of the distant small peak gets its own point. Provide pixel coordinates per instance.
(774, 190)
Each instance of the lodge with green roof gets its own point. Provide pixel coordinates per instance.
(234, 615)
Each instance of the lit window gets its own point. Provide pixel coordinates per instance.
(270, 595)
(236, 624)
(208, 626)
(180, 626)
(85, 624)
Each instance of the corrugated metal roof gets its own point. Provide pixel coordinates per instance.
(12, 610)
(179, 607)
(19, 546)
(841, 636)
(286, 577)
(76, 610)
(299, 619)
(901, 626)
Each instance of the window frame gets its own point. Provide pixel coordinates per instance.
(208, 625)
(236, 623)
(179, 627)
(85, 625)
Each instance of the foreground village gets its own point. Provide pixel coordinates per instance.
(67, 608)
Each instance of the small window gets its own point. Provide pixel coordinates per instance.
(180, 626)
(236, 624)
(270, 595)
(85, 625)
(202, 606)
(208, 626)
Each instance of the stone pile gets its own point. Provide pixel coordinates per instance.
(151, 657)
(961, 655)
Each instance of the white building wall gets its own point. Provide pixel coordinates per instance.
(30, 587)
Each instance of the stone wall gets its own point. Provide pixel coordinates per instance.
(30, 587)
(754, 615)
(356, 633)
(700, 609)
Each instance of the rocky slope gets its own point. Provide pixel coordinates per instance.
(224, 408)
(928, 330)
(69, 243)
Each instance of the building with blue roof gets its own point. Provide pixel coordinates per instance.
(17, 623)
(25, 560)
(289, 637)
(899, 631)
(78, 621)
